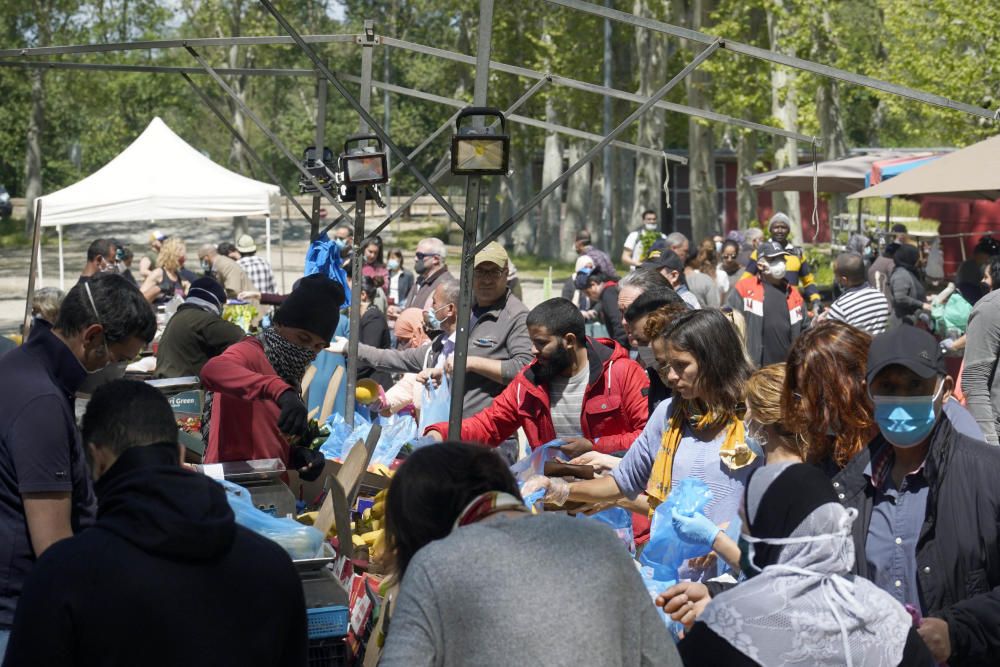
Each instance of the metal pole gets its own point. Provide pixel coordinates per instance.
(357, 258)
(266, 130)
(479, 97)
(607, 221)
(386, 120)
(372, 123)
(62, 266)
(320, 145)
(36, 248)
(444, 170)
(246, 144)
(592, 153)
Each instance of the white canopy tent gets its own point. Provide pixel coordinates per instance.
(158, 177)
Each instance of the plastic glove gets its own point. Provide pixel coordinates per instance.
(338, 345)
(947, 344)
(294, 417)
(308, 462)
(601, 462)
(556, 489)
(696, 528)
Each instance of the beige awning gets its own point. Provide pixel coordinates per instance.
(971, 173)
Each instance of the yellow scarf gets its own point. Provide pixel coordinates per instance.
(734, 451)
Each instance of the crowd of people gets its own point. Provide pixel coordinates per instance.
(852, 518)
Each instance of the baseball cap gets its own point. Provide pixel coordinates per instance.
(245, 244)
(906, 346)
(493, 252)
(664, 259)
(770, 249)
(157, 235)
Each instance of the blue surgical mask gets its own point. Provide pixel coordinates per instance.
(906, 421)
(393, 264)
(755, 445)
(433, 321)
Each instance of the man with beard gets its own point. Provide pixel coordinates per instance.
(797, 272)
(431, 266)
(257, 398)
(585, 392)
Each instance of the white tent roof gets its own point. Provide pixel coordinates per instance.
(843, 175)
(158, 177)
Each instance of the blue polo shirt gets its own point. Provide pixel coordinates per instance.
(40, 450)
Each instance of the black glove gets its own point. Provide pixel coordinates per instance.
(294, 417)
(308, 462)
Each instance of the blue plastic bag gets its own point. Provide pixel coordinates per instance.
(298, 540)
(654, 587)
(666, 551)
(323, 256)
(534, 463)
(396, 432)
(620, 520)
(436, 404)
(342, 437)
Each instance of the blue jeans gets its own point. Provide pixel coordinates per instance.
(4, 636)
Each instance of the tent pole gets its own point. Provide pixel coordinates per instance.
(62, 266)
(36, 256)
(267, 234)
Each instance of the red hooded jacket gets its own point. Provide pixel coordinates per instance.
(244, 410)
(615, 408)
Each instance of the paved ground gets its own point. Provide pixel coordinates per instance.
(15, 263)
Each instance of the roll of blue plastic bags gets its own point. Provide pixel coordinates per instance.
(298, 540)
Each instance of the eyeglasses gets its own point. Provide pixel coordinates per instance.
(425, 255)
(729, 256)
(488, 274)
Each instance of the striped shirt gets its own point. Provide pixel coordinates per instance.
(863, 307)
(566, 398)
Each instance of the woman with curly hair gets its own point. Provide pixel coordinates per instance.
(164, 282)
(824, 399)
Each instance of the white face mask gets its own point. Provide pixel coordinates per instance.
(843, 531)
(651, 226)
(776, 269)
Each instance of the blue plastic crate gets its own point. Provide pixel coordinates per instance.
(328, 621)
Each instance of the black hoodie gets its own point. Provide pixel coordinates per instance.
(165, 577)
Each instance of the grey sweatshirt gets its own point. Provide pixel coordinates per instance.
(980, 381)
(540, 590)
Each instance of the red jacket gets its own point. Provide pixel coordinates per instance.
(244, 412)
(615, 407)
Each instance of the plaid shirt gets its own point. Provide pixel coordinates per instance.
(259, 272)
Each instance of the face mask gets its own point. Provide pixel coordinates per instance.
(718, 246)
(206, 266)
(776, 270)
(393, 264)
(107, 353)
(650, 227)
(419, 267)
(906, 421)
(431, 319)
(747, 566)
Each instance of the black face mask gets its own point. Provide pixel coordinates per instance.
(546, 369)
(419, 267)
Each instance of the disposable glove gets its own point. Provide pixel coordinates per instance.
(338, 345)
(556, 489)
(696, 528)
(294, 417)
(308, 462)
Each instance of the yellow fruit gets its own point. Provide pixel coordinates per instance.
(370, 537)
(378, 509)
(366, 391)
(357, 541)
(307, 518)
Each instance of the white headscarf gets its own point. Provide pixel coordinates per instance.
(806, 609)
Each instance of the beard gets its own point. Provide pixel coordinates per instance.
(549, 367)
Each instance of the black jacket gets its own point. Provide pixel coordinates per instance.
(958, 551)
(192, 337)
(165, 577)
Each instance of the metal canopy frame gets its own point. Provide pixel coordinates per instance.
(483, 65)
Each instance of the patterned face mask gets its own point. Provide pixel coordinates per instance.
(288, 359)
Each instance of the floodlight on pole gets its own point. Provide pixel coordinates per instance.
(480, 148)
(364, 165)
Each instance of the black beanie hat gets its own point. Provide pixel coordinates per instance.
(314, 305)
(208, 289)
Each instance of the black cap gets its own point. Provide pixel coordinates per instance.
(664, 259)
(208, 289)
(908, 346)
(314, 305)
(771, 249)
